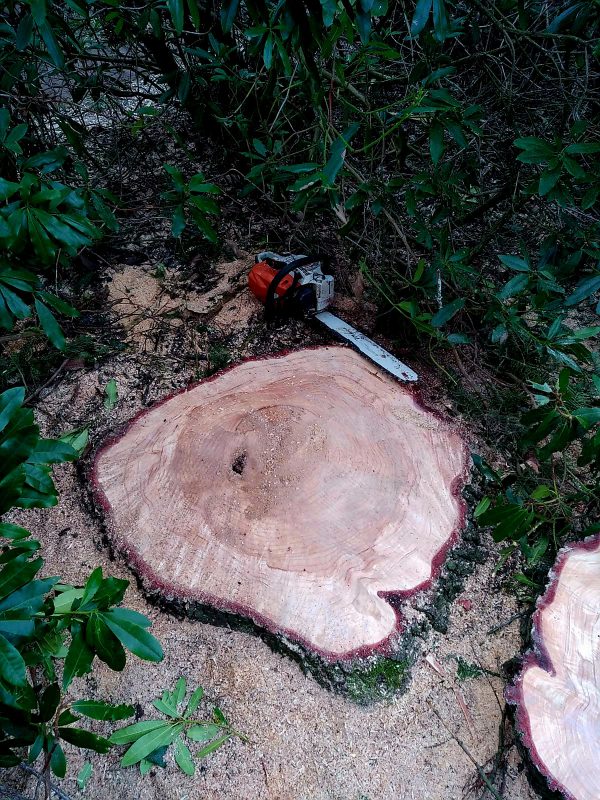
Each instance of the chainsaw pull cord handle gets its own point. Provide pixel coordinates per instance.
(271, 304)
(289, 266)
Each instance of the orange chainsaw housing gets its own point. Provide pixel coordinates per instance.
(260, 277)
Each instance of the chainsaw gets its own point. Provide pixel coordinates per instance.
(296, 285)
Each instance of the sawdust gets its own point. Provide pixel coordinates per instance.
(306, 742)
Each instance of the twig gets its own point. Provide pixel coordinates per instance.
(10, 794)
(471, 758)
(437, 667)
(54, 375)
(53, 787)
(507, 622)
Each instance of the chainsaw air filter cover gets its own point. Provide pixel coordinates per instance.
(303, 491)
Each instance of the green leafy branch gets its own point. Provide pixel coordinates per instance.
(151, 738)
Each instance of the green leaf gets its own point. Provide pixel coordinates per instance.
(17, 307)
(110, 395)
(24, 32)
(446, 313)
(210, 748)
(194, 702)
(134, 638)
(583, 148)
(228, 14)
(515, 262)
(85, 739)
(441, 23)
(176, 176)
(420, 17)
(49, 702)
(436, 141)
(78, 440)
(159, 737)
(585, 288)
(64, 600)
(204, 226)
(458, 338)
(132, 733)
(15, 532)
(58, 762)
(128, 615)
(12, 666)
(590, 197)
(97, 709)
(52, 46)
(198, 184)
(573, 167)
(16, 574)
(482, 506)
(93, 583)
(548, 180)
(8, 188)
(177, 12)
(58, 305)
(67, 718)
(79, 657)
(165, 708)
(49, 325)
(203, 733)
(541, 492)
(83, 776)
(51, 451)
(535, 151)
(10, 401)
(38, 9)
(14, 137)
(514, 286)
(178, 222)
(587, 417)
(183, 757)
(104, 643)
(268, 51)
(338, 154)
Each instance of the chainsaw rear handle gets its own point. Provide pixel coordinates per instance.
(282, 285)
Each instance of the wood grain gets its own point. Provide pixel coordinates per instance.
(558, 690)
(298, 490)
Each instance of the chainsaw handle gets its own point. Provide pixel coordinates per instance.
(288, 267)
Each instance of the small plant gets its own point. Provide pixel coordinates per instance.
(51, 632)
(111, 395)
(465, 670)
(191, 199)
(552, 495)
(151, 738)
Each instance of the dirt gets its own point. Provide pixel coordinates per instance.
(306, 742)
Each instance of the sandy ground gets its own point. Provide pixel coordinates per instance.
(306, 743)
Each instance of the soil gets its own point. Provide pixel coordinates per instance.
(306, 742)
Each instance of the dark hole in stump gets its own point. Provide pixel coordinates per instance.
(239, 463)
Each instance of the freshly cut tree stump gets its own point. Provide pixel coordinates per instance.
(558, 691)
(298, 491)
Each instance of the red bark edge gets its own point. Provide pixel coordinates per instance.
(156, 583)
(538, 656)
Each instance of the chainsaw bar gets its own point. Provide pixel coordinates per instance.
(367, 347)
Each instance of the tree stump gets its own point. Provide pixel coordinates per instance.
(558, 690)
(302, 491)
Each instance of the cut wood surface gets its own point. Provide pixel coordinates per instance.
(298, 490)
(558, 691)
